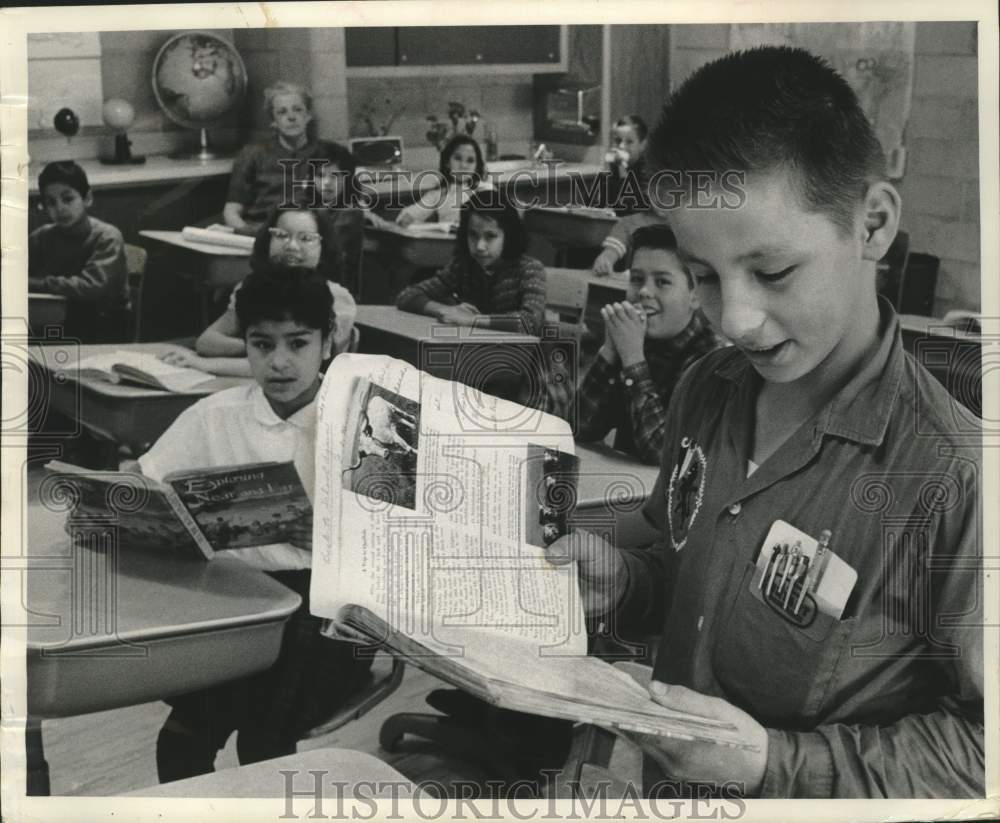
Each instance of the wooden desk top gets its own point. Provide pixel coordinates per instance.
(176, 238)
(62, 360)
(390, 320)
(607, 475)
(158, 168)
(617, 281)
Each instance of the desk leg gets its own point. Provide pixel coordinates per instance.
(36, 767)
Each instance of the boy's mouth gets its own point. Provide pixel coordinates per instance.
(766, 354)
(651, 311)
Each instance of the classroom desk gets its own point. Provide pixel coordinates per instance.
(45, 310)
(110, 627)
(575, 226)
(128, 415)
(611, 491)
(341, 773)
(494, 362)
(954, 357)
(399, 253)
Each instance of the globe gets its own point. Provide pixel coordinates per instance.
(118, 114)
(198, 78)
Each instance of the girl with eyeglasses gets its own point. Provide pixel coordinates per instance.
(296, 238)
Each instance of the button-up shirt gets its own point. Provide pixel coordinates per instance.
(887, 700)
(633, 400)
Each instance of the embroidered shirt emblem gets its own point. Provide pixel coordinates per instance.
(685, 491)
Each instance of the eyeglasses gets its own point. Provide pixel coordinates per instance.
(303, 238)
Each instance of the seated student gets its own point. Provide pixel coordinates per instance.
(491, 282)
(628, 191)
(258, 183)
(818, 417)
(299, 237)
(648, 342)
(463, 170)
(79, 257)
(285, 317)
(338, 193)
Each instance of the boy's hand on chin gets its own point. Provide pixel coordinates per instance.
(625, 326)
(700, 762)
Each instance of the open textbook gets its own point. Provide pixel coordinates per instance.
(434, 503)
(142, 369)
(190, 514)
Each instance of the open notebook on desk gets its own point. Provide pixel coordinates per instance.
(142, 369)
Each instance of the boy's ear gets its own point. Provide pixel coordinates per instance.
(881, 222)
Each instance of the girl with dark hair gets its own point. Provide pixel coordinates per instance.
(301, 238)
(463, 171)
(491, 282)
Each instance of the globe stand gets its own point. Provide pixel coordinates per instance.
(205, 153)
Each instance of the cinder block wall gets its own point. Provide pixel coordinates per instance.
(941, 185)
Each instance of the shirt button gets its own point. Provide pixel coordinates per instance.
(701, 622)
(611, 382)
(735, 509)
(629, 381)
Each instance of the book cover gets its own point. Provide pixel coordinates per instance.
(239, 506)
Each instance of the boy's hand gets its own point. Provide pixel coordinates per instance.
(603, 576)
(700, 762)
(300, 534)
(460, 315)
(604, 263)
(183, 357)
(625, 326)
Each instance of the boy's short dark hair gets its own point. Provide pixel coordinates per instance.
(285, 292)
(655, 236)
(66, 172)
(495, 205)
(771, 108)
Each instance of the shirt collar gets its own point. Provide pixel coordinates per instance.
(304, 418)
(861, 410)
(307, 151)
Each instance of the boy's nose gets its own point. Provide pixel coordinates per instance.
(742, 317)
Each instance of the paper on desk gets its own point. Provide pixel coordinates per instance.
(217, 238)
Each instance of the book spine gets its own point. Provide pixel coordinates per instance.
(188, 522)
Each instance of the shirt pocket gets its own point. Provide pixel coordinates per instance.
(778, 671)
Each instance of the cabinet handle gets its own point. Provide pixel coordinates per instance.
(402, 58)
(552, 55)
(479, 57)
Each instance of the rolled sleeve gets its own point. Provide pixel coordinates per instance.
(799, 764)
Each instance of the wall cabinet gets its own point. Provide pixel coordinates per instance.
(454, 49)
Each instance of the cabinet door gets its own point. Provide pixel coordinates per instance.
(371, 46)
(523, 44)
(444, 45)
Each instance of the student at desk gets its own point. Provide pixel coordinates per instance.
(257, 183)
(628, 191)
(869, 682)
(650, 339)
(286, 323)
(79, 257)
(338, 192)
(491, 283)
(463, 171)
(291, 238)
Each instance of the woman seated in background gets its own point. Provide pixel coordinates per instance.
(491, 282)
(463, 170)
(257, 184)
(297, 238)
(649, 339)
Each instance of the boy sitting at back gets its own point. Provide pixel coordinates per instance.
(858, 673)
(286, 321)
(649, 339)
(79, 257)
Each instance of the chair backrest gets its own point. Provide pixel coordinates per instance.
(135, 270)
(566, 292)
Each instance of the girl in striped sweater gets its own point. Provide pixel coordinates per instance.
(490, 283)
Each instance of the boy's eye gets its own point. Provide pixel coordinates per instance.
(262, 345)
(297, 345)
(774, 277)
(705, 278)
